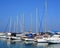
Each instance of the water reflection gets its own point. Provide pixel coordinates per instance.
(14, 44)
(41, 45)
(10, 42)
(21, 44)
(54, 46)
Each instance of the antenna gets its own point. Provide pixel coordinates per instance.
(36, 21)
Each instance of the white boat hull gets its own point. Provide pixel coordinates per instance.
(54, 42)
(2, 36)
(41, 41)
(16, 38)
(29, 40)
(54, 39)
(8, 37)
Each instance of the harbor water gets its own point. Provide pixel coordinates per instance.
(4, 43)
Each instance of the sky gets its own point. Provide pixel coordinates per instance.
(13, 8)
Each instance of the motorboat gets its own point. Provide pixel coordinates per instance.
(16, 38)
(54, 39)
(29, 40)
(2, 35)
(12, 36)
(42, 38)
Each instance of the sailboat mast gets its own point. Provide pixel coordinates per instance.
(17, 25)
(36, 21)
(10, 25)
(31, 23)
(14, 26)
(22, 23)
(45, 14)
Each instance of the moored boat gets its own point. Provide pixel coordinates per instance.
(2, 35)
(55, 39)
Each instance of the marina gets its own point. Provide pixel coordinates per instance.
(31, 38)
(29, 24)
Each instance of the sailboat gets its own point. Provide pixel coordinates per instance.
(16, 36)
(41, 38)
(8, 35)
(2, 35)
(12, 36)
(22, 28)
(55, 39)
(28, 39)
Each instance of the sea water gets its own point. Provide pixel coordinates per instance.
(4, 43)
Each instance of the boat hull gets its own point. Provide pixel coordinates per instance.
(29, 41)
(42, 41)
(54, 41)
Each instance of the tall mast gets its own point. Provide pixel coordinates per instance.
(17, 25)
(22, 23)
(36, 21)
(45, 14)
(21, 29)
(31, 23)
(10, 25)
(14, 26)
